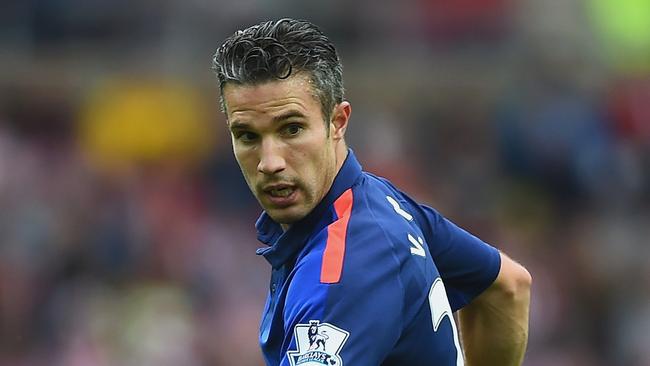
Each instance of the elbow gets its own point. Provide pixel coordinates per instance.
(519, 284)
(514, 281)
(524, 281)
(511, 288)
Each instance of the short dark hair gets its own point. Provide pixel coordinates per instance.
(275, 50)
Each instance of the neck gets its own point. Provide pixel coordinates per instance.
(341, 152)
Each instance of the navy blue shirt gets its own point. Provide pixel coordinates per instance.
(369, 277)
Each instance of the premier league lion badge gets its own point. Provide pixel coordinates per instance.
(318, 344)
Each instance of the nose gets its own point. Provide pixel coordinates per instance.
(271, 159)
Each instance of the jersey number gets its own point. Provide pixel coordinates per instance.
(440, 309)
(417, 244)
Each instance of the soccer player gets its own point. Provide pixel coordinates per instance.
(362, 275)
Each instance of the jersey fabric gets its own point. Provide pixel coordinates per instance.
(369, 277)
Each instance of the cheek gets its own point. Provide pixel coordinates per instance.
(322, 167)
(246, 162)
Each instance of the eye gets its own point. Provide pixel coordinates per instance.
(293, 129)
(245, 136)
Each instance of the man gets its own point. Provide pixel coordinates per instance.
(361, 273)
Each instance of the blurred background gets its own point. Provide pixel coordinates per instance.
(126, 229)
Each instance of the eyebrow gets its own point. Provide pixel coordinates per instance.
(288, 115)
(235, 125)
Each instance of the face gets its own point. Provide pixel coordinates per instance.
(282, 144)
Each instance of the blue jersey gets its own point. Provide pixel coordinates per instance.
(368, 278)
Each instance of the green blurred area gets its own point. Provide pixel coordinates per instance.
(623, 26)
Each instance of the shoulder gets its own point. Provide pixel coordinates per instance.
(383, 212)
(374, 203)
(375, 227)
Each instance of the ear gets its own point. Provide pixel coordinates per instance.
(340, 118)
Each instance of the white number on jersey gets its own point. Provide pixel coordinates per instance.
(440, 309)
(417, 248)
(398, 209)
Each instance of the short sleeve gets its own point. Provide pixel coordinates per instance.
(466, 264)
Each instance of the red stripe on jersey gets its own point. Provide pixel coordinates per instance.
(335, 248)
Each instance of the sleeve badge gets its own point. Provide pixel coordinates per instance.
(317, 344)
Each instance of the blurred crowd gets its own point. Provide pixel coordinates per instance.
(126, 229)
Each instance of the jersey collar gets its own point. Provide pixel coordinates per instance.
(284, 245)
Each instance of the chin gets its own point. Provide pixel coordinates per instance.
(286, 218)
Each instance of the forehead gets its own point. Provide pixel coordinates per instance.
(293, 92)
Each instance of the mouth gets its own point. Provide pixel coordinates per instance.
(280, 195)
(280, 192)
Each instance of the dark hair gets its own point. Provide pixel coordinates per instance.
(275, 50)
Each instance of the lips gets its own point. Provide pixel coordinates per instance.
(280, 195)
